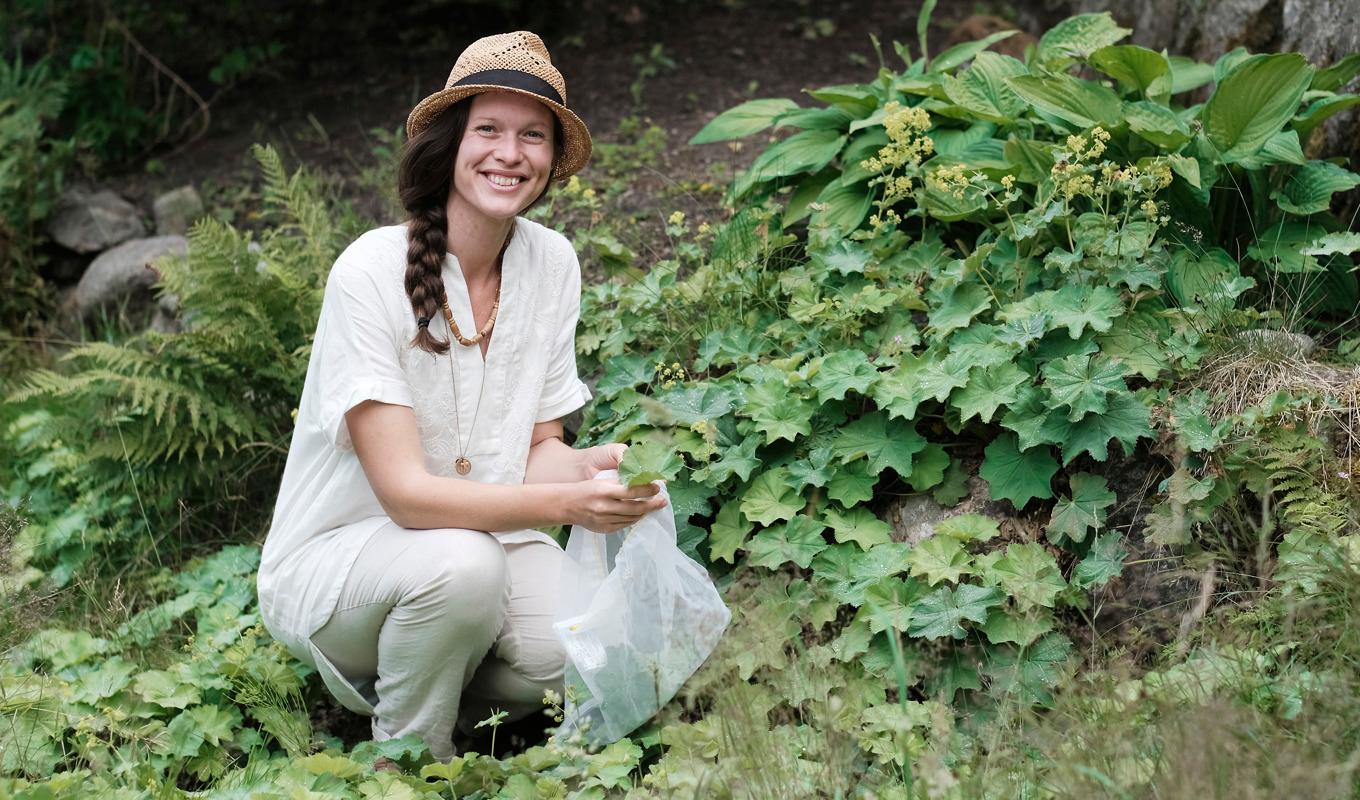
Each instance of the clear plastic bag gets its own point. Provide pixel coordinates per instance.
(637, 617)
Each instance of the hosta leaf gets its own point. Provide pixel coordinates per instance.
(1085, 510)
(808, 151)
(1145, 71)
(1188, 74)
(1253, 102)
(987, 390)
(1078, 37)
(1005, 626)
(649, 461)
(858, 525)
(1104, 561)
(1309, 190)
(1014, 475)
(943, 612)
(960, 53)
(1340, 242)
(1083, 383)
(888, 603)
(1030, 672)
(1080, 103)
(1158, 124)
(1283, 247)
(1331, 78)
(750, 117)
(1077, 307)
(846, 571)
(940, 558)
(769, 498)
(1029, 574)
(799, 540)
(982, 88)
(1320, 110)
(841, 372)
(1125, 419)
(883, 441)
(852, 484)
(1196, 277)
(728, 533)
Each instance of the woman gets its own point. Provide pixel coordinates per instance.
(402, 560)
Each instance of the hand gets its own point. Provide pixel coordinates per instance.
(607, 506)
(603, 457)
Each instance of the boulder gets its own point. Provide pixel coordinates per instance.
(176, 210)
(125, 272)
(914, 517)
(88, 222)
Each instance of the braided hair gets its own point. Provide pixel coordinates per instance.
(424, 180)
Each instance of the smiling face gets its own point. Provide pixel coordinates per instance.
(505, 157)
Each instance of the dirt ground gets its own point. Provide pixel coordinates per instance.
(724, 52)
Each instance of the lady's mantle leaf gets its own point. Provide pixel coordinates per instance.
(1005, 626)
(846, 571)
(944, 611)
(842, 371)
(1030, 671)
(1083, 383)
(1014, 475)
(1029, 575)
(649, 461)
(729, 532)
(987, 390)
(1103, 562)
(799, 540)
(968, 528)
(1086, 509)
(770, 498)
(858, 525)
(851, 484)
(889, 603)
(1125, 419)
(940, 558)
(886, 443)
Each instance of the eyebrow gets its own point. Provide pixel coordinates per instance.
(489, 118)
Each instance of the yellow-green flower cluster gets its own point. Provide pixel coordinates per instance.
(907, 143)
(670, 375)
(1075, 173)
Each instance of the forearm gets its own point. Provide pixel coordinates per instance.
(554, 461)
(432, 501)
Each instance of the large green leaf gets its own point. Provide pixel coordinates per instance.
(1085, 510)
(1282, 247)
(883, 441)
(987, 390)
(858, 525)
(852, 484)
(649, 461)
(1078, 37)
(808, 151)
(1104, 561)
(1030, 672)
(750, 117)
(1077, 307)
(1309, 190)
(960, 53)
(940, 558)
(841, 372)
(1142, 70)
(1196, 277)
(728, 533)
(799, 541)
(1253, 102)
(890, 603)
(1158, 124)
(846, 571)
(1029, 575)
(1125, 419)
(1015, 475)
(982, 88)
(1082, 104)
(1320, 110)
(1083, 383)
(944, 611)
(843, 205)
(1332, 78)
(770, 499)
(1188, 74)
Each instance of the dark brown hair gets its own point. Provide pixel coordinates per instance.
(424, 180)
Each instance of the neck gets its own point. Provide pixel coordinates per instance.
(476, 241)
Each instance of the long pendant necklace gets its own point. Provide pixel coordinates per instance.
(462, 465)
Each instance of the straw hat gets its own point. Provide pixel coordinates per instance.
(510, 62)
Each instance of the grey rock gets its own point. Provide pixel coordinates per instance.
(176, 210)
(1277, 344)
(125, 272)
(88, 222)
(914, 517)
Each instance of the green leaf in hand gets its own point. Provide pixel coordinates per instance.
(647, 462)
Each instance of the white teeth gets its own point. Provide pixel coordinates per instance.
(504, 180)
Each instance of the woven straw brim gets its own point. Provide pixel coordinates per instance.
(576, 145)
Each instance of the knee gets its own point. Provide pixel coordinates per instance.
(465, 572)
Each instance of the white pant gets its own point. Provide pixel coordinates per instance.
(437, 627)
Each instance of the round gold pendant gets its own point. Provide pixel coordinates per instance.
(462, 465)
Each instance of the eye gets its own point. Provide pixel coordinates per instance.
(485, 127)
(540, 135)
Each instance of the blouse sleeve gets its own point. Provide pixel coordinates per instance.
(356, 351)
(563, 391)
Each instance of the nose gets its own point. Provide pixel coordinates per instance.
(508, 150)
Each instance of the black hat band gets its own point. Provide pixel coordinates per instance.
(514, 79)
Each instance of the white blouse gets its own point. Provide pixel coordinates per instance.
(326, 509)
